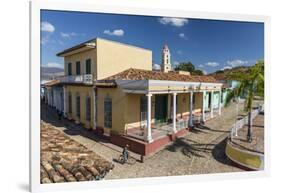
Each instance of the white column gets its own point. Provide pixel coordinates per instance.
(212, 104)
(148, 135)
(174, 111)
(220, 102)
(190, 121)
(64, 101)
(94, 109)
(203, 106)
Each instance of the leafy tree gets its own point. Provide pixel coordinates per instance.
(251, 85)
(185, 67)
(188, 67)
(197, 72)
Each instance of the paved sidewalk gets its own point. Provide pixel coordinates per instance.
(200, 151)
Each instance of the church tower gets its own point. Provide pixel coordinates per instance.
(166, 59)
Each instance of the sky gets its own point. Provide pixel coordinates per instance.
(210, 45)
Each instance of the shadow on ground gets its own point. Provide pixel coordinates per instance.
(203, 127)
(50, 116)
(218, 153)
(191, 148)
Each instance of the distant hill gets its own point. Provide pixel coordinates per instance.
(49, 73)
(223, 74)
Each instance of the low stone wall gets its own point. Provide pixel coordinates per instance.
(248, 159)
(144, 148)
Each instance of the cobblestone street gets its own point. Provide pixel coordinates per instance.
(201, 151)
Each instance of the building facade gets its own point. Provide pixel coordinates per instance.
(110, 87)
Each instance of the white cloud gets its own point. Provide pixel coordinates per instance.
(234, 63)
(183, 36)
(45, 40)
(47, 27)
(177, 22)
(116, 32)
(67, 35)
(53, 65)
(156, 67)
(212, 64)
(204, 72)
(226, 67)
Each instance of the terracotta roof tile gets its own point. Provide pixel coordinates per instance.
(52, 82)
(139, 74)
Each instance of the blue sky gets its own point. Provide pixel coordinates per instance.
(209, 44)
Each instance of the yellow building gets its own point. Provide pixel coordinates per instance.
(110, 87)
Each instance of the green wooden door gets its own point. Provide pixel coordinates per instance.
(160, 108)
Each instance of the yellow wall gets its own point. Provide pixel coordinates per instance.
(114, 57)
(183, 103)
(125, 107)
(82, 57)
(118, 106)
(109, 58)
(83, 92)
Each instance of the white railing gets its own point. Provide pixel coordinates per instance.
(85, 79)
(143, 119)
(182, 124)
(240, 124)
(136, 132)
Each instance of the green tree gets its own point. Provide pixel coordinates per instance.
(185, 67)
(197, 72)
(188, 67)
(251, 85)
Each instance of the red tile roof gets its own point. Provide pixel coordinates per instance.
(138, 74)
(52, 82)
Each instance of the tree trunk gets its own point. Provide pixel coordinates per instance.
(250, 127)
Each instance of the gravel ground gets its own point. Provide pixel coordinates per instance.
(201, 151)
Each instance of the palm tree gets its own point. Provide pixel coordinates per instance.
(251, 84)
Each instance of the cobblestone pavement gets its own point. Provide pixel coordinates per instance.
(257, 144)
(201, 151)
(65, 160)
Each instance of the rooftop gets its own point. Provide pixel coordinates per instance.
(139, 74)
(52, 82)
(92, 43)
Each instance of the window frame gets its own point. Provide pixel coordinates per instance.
(69, 103)
(69, 68)
(78, 68)
(107, 114)
(78, 110)
(88, 64)
(88, 108)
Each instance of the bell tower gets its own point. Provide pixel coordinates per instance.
(166, 59)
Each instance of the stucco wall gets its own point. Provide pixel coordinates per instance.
(183, 103)
(83, 92)
(82, 57)
(119, 101)
(110, 58)
(216, 100)
(125, 107)
(114, 57)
